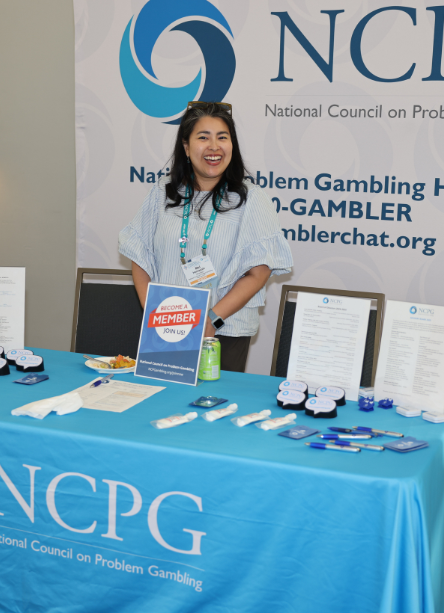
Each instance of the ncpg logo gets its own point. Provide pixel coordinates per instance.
(142, 33)
(332, 301)
(356, 42)
(413, 310)
(325, 301)
(426, 311)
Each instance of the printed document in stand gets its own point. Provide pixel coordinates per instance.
(328, 343)
(12, 307)
(411, 357)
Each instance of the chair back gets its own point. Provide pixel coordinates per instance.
(107, 315)
(284, 329)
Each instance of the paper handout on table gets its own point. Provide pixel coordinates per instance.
(328, 342)
(115, 396)
(411, 356)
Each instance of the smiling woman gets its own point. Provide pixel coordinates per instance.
(206, 210)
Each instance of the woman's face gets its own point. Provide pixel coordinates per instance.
(209, 149)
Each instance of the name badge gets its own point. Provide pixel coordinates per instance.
(199, 272)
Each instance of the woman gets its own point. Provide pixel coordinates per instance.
(228, 218)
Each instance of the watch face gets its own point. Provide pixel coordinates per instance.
(218, 323)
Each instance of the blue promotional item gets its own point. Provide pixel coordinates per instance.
(386, 403)
(377, 432)
(361, 445)
(406, 444)
(207, 402)
(333, 447)
(366, 404)
(32, 379)
(299, 432)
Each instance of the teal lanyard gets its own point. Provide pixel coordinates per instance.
(186, 215)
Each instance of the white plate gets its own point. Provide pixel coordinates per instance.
(107, 371)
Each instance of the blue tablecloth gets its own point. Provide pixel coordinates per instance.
(101, 512)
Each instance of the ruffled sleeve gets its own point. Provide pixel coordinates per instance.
(260, 241)
(136, 240)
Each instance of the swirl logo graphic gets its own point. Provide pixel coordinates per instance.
(413, 310)
(156, 17)
(325, 301)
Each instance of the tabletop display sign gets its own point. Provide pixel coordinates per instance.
(12, 307)
(172, 333)
(411, 356)
(328, 342)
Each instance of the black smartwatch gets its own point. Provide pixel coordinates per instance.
(216, 321)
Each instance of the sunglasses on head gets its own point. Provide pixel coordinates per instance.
(204, 105)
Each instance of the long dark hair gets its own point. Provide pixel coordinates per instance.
(181, 174)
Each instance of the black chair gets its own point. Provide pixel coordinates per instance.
(284, 330)
(107, 316)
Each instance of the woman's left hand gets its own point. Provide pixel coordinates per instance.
(210, 331)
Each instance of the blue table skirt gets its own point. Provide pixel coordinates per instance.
(102, 512)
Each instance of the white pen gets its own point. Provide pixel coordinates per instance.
(346, 436)
(363, 445)
(386, 432)
(333, 447)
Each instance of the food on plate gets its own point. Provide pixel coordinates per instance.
(122, 362)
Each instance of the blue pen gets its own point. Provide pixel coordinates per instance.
(332, 447)
(103, 380)
(374, 430)
(346, 436)
(362, 445)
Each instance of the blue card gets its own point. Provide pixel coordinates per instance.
(31, 379)
(299, 432)
(405, 444)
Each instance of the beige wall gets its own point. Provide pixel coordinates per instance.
(37, 161)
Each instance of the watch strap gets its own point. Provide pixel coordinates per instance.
(213, 317)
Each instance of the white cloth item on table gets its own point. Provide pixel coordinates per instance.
(62, 405)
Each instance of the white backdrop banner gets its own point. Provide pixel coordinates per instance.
(340, 113)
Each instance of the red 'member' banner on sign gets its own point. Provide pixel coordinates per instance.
(177, 318)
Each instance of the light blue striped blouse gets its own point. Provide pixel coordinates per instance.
(241, 239)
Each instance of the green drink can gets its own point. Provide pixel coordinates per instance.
(209, 367)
